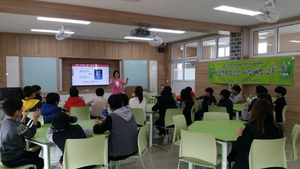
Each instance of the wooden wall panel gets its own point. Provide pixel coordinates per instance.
(29, 44)
(67, 71)
(137, 50)
(125, 50)
(65, 47)
(2, 72)
(111, 50)
(10, 44)
(149, 51)
(47, 45)
(96, 49)
(81, 48)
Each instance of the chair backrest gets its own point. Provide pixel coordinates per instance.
(61, 105)
(179, 124)
(193, 110)
(142, 139)
(93, 148)
(139, 115)
(40, 119)
(82, 113)
(169, 115)
(294, 136)
(198, 145)
(215, 116)
(273, 99)
(149, 95)
(217, 109)
(199, 105)
(284, 113)
(267, 153)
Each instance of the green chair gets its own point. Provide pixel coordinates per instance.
(217, 109)
(142, 145)
(292, 155)
(179, 124)
(193, 110)
(139, 116)
(82, 113)
(61, 105)
(273, 99)
(267, 153)
(40, 119)
(198, 149)
(150, 97)
(199, 105)
(20, 167)
(215, 116)
(284, 117)
(93, 148)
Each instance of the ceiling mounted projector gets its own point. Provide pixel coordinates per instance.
(140, 32)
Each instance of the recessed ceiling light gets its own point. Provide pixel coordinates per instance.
(63, 20)
(166, 30)
(295, 41)
(137, 38)
(218, 43)
(262, 37)
(234, 10)
(50, 31)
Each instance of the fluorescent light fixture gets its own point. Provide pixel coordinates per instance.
(234, 10)
(295, 41)
(49, 31)
(166, 30)
(137, 38)
(218, 43)
(263, 33)
(262, 37)
(63, 20)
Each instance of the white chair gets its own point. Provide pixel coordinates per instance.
(292, 155)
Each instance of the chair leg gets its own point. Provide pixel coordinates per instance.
(169, 156)
(142, 162)
(150, 158)
(297, 164)
(178, 164)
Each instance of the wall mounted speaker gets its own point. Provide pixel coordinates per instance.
(161, 50)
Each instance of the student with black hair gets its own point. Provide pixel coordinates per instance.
(190, 90)
(279, 103)
(226, 102)
(122, 142)
(38, 92)
(206, 99)
(74, 100)
(50, 109)
(187, 104)
(29, 102)
(258, 89)
(61, 130)
(236, 96)
(96, 104)
(138, 101)
(13, 133)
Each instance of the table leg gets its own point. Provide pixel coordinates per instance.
(46, 155)
(150, 129)
(224, 154)
(191, 166)
(237, 115)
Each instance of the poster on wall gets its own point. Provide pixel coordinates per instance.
(273, 70)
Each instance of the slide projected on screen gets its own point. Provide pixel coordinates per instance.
(90, 74)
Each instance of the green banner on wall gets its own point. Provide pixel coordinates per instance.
(273, 70)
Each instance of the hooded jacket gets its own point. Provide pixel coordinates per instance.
(74, 102)
(49, 111)
(123, 132)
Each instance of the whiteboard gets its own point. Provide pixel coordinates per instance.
(137, 72)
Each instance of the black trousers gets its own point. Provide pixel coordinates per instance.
(26, 158)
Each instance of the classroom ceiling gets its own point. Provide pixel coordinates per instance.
(195, 10)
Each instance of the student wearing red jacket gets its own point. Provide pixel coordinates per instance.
(74, 100)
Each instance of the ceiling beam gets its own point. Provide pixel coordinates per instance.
(39, 8)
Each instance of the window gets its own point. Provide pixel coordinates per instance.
(223, 47)
(178, 51)
(189, 70)
(178, 71)
(191, 49)
(289, 38)
(208, 49)
(263, 41)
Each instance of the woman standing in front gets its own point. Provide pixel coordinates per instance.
(117, 83)
(262, 125)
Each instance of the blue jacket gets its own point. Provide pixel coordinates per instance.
(48, 111)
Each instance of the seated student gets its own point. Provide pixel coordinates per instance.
(206, 99)
(61, 130)
(226, 102)
(38, 92)
(178, 98)
(246, 114)
(279, 103)
(125, 99)
(74, 100)
(96, 103)
(50, 109)
(236, 96)
(262, 125)
(164, 102)
(29, 103)
(122, 141)
(258, 89)
(13, 133)
(186, 103)
(138, 101)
